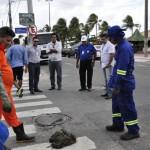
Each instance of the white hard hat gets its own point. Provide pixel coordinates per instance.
(83, 38)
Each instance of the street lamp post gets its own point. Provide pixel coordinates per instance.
(49, 12)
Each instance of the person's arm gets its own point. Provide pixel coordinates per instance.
(8, 54)
(94, 56)
(78, 57)
(25, 57)
(7, 106)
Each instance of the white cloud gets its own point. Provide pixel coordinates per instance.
(112, 11)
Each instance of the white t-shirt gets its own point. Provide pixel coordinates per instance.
(58, 47)
(106, 49)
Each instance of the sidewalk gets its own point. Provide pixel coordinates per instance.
(141, 58)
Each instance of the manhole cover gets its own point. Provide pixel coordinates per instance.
(51, 119)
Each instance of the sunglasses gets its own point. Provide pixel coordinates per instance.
(36, 41)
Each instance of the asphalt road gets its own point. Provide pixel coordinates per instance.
(89, 112)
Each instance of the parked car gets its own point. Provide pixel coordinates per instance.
(98, 52)
(72, 52)
(65, 51)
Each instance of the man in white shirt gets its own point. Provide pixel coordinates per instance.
(55, 64)
(107, 62)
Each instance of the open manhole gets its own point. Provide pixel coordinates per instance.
(51, 119)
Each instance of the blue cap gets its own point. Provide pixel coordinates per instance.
(4, 133)
(114, 30)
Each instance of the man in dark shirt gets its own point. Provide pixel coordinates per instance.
(86, 54)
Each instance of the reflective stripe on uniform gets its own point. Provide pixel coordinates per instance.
(130, 123)
(121, 72)
(116, 115)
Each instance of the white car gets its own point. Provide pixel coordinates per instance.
(98, 52)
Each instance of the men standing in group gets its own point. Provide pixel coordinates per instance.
(122, 83)
(6, 35)
(106, 60)
(54, 50)
(34, 52)
(86, 53)
(17, 57)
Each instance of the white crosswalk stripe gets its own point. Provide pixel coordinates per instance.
(25, 88)
(24, 92)
(48, 102)
(29, 97)
(83, 143)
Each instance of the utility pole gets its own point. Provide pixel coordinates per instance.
(9, 14)
(49, 12)
(146, 30)
(30, 10)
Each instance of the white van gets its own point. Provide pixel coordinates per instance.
(44, 39)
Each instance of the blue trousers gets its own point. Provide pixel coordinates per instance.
(124, 111)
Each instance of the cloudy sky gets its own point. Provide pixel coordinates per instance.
(112, 11)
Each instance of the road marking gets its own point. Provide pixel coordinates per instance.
(15, 89)
(83, 143)
(29, 97)
(69, 64)
(29, 129)
(36, 112)
(143, 66)
(33, 104)
(24, 92)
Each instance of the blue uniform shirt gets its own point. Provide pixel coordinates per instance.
(85, 52)
(17, 56)
(122, 77)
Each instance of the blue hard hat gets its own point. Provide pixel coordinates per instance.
(4, 133)
(114, 30)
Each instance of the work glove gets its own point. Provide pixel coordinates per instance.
(7, 106)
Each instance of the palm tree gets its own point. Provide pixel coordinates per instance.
(129, 24)
(92, 21)
(61, 29)
(103, 27)
(74, 30)
(47, 28)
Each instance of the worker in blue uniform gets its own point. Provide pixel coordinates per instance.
(86, 54)
(122, 83)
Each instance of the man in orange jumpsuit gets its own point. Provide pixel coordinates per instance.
(6, 35)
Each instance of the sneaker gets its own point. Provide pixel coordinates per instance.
(20, 93)
(17, 94)
(129, 136)
(114, 128)
(104, 95)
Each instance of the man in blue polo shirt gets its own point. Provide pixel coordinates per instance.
(86, 53)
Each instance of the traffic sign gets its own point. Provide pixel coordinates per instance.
(20, 30)
(32, 30)
(26, 19)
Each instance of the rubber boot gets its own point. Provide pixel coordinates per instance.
(21, 136)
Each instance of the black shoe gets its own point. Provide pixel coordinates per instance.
(32, 92)
(129, 136)
(89, 89)
(104, 95)
(114, 128)
(82, 89)
(108, 97)
(59, 88)
(52, 88)
(37, 90)
(6, 148)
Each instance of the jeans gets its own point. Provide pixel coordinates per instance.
(55, 66)
(34, 73)
(107, 73)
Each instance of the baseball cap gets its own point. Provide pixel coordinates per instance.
(83, 38)
(114, 30)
